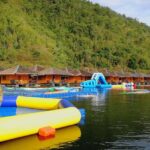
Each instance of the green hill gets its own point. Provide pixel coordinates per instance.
(70, 33)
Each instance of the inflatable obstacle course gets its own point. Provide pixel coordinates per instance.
(97, 81)
(136, 91)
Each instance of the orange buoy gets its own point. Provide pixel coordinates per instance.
(46, 132)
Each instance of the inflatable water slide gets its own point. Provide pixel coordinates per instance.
(54, 114)
(97, 81)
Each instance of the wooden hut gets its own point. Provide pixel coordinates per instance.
(141, 78)
(75, 76)
(120, 77)
(78, 76)
(86, 75)
(1, 69)
(35, 70)
(114, 77)
(147, 79)
(110, 76)
(138, 78)
(52, 75)
(125, 77)
(15, 75)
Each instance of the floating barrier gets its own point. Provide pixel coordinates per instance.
(10, 95)
(118, 86)
(137, 91)
(13, 127)
(37, 90)
(124, 86)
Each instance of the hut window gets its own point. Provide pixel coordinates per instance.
(63, 78)
(4, 77)
(41, 77)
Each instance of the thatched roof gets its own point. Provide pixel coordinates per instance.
(142, 75)
(74, 72)
(36, 68)
(136, 74)
(85, 73)
(54, 71)
(16, 70)
(92, 71)
(107, 72)
(40, 70)
(112, 74)
(120, 74)
(147, 76)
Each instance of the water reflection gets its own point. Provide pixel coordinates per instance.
(132, 142)
(116, 121)
(63, 138)
(100, 98)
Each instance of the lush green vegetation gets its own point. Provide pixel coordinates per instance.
(70, 33)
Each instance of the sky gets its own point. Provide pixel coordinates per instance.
(139, 9)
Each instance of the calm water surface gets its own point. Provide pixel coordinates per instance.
(113, 121)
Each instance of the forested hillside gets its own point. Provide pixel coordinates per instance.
(70, 33)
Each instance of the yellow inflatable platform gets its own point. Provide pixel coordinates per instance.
(58, 114)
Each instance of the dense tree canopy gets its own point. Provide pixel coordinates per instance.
(71, 33)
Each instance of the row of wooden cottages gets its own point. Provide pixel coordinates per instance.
(39, 75)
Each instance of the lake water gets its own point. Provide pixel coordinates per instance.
(114, 120)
